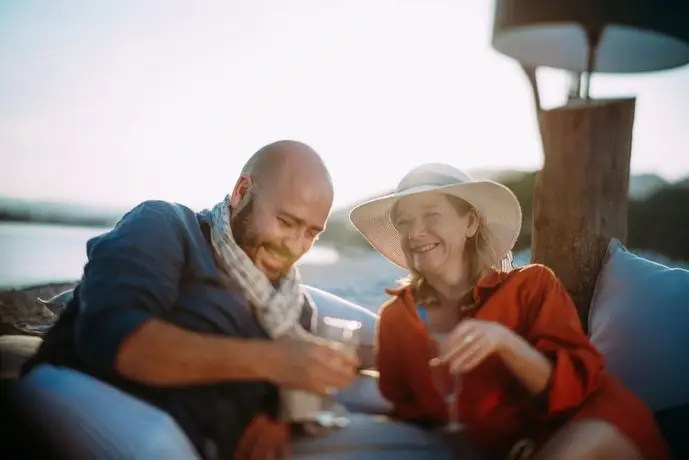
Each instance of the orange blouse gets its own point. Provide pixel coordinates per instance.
(497, 409)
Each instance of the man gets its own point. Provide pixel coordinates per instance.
(166, 312)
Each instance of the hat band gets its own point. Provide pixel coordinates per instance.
(438, 180)
(421, 188)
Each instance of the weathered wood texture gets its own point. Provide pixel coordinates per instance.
(580, 198)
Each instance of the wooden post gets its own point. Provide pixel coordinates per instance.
(580, 197)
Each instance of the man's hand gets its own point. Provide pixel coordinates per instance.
(264, 439)
(310, 366)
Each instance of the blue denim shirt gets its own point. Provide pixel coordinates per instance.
(158, 263)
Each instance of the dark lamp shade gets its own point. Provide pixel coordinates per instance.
(635, 35)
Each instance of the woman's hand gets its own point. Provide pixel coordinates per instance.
(471, 342)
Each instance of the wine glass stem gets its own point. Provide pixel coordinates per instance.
(453, 418)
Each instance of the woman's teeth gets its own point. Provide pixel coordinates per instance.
(425, 248)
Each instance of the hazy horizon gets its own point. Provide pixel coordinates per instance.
(71, 213)
(641, 188)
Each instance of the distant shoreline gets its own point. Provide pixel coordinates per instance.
(58, 222)
(88, 223)
(75, 214)
(35, 285)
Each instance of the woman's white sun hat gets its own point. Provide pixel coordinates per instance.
(496, 204)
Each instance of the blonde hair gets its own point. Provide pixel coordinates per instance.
(482, 257)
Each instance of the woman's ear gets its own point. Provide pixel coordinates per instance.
(474, 221)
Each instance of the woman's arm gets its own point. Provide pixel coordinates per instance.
(399, 358)
(529, 365)
(391, 380)
(557, 336)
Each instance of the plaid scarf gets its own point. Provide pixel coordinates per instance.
(277, 310)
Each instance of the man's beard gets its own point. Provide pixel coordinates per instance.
(243, 228)
(248, 238)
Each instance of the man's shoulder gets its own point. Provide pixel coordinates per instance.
(160, 209)
(152, 220)
(159, 215)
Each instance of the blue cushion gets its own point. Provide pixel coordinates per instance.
(639, 320)
(363, 396)
(87, 418)
(378, 438)
(328, 304)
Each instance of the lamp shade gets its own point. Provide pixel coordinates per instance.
(635, 35)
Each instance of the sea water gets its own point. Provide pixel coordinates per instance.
(33, 254)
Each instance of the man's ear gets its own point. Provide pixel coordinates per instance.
(241, 191)
(473, 224)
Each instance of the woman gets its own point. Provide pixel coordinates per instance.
(530, 380)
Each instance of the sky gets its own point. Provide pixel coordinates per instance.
(112, 103)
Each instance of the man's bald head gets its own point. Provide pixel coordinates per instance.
(285, 158)
(280, 205)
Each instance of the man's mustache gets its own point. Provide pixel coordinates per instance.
(247, 236)
(282, 253)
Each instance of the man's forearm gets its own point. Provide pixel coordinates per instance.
(160, 353)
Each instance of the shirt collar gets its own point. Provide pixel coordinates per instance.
(485, 286)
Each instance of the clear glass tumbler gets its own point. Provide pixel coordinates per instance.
(345, 336)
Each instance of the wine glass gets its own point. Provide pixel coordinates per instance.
(345, 336)
(447, 383)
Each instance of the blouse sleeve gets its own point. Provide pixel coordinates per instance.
(556, 331)
(398, 383)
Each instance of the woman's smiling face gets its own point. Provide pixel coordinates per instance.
(433, 231)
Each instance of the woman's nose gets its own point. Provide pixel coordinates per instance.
(417, 229)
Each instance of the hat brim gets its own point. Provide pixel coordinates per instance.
(496, 204)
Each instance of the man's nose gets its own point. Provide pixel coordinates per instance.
(296, 246)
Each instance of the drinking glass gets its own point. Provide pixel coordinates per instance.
(447, 383)
(345, 336)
